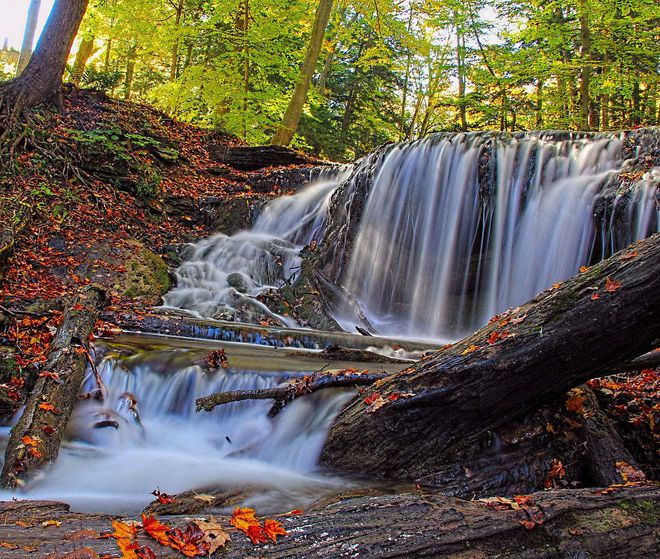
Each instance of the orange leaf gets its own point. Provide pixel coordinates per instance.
(528, 524)
(611, 285)
(583, 269)
(48, 407)
(272, 529)
(256, 534)
(630, 255)
(156, 529)
(372, 398)
(242, 519)
(575, 404)
(470, 349)
(595, 297)
(30, 441)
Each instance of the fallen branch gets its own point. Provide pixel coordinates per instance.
(285, 394)
(35, 440)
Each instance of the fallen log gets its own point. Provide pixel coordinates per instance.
(258, 157)
(287, 393)
(524, 358)
(574, 523)
(35, 440)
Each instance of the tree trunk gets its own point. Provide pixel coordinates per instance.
(585, 74)
(174, 66)
(460, 71)
(35, 440)
(41, 81)
(287, 129)
(28, 36)
(85, 50)
(509, 368)
(130, 71)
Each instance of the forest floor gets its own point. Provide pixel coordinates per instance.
(108, 192)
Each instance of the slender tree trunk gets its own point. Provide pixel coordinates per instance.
(28, 37)
(174, 66)
(287, 129)
(636, 105)
(585, 74)
(41, 81)
(130, 71)
(85, 50)
(605, 111)
(539, 104)
(460, 70)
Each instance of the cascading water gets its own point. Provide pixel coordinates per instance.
(453, 229)
(447, 252)
(223, 274)
(163, 442)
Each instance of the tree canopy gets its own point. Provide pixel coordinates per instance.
(387, 69)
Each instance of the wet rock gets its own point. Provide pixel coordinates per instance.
(237, 281)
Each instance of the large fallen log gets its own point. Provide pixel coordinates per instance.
(35, 440)
(571, 524)
(259, 157)
(528, 356)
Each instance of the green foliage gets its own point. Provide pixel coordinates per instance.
(388, 70)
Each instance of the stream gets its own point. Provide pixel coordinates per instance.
(117, 453)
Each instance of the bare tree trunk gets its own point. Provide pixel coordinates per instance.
(287, 129)
(130, 71)
(585, 74)
(174, 66)
(28, 37)
(85, 50)
(41, 81)
(460, 70)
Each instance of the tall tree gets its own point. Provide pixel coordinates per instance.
(287, 129)
(41, 81)
(28, 36)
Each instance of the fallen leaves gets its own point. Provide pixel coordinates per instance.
(497, 336)
(48, 407)
(612, 285)
(245, 520)
(215, 536)
(470, 349)
(576, 402)
(555, 473)
(47, 523)
(376, 400)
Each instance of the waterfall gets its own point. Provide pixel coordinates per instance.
(147, 435)
(432, 238)
(223, 274)
(438, 252)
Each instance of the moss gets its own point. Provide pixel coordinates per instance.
(146, 275)
(8, 366)
(647, 511)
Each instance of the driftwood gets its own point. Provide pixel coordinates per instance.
(287, 393)
(527, 357)
(35, 440)
(259, 157)
(575, 523)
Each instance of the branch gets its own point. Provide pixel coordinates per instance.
(285, 394)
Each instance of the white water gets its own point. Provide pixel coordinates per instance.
(175, 449)
(435, 261)
(265, 257)
(438, 251)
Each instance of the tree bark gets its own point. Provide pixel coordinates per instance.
(85, 51)
(41, 81)
(35, 440)
(174, 66)
(283, 395)
(509, 368)
(287, 129)
(578, 523)
(585, 73)
(28, 36)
